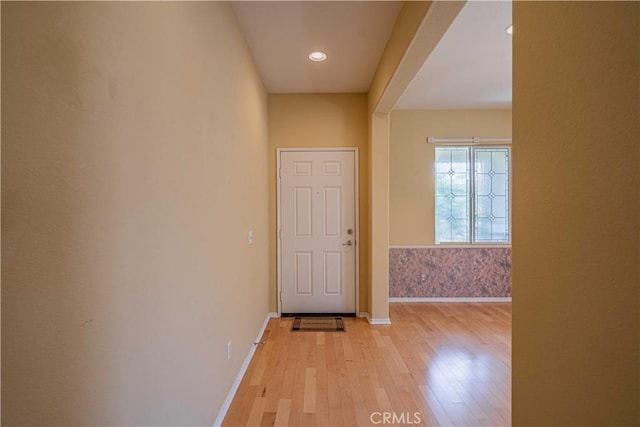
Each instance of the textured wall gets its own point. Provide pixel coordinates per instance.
(576, 104)
(134, 163)
(449, 272)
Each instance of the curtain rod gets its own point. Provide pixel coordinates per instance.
(472, 140)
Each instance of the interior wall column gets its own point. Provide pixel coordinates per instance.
(419, 28)
(379, 199)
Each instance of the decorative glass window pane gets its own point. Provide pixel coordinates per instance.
(452, 182)
(491, 179)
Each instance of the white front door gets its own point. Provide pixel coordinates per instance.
(318, 231)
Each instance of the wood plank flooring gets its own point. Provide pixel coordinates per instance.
(435, 365)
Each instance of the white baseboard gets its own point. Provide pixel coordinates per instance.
(380, 321)
(454, 299)
(273, 315)
(243, 370)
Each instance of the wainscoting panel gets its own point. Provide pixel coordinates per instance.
(447, 272)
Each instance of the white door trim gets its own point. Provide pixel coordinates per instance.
(357, 222)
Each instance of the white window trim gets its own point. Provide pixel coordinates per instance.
(472, 205)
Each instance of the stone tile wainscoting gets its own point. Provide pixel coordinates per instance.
(449, 272)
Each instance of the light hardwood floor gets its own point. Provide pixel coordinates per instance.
(436, 364)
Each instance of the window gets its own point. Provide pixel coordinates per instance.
(472, 189)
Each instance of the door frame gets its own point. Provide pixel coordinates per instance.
(354, 150)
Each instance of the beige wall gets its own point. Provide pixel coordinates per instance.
(419, 27)
(576, 351)
(407, 24)
(0, 238)
(134, 164)
(379, 217)
(409, 19)
(411, 164)
(319, 121)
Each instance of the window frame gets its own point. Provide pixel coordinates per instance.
(472, 195)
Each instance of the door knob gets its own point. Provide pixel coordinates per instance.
(349, 243)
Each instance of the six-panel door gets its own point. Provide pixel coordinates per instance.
(317, 220)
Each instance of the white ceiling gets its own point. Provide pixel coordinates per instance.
(471, 65)
(281, 35)
(469, 68)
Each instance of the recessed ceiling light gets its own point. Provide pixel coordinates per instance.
(509, 29)
(317, 56)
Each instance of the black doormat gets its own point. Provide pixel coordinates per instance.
(318, 324)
